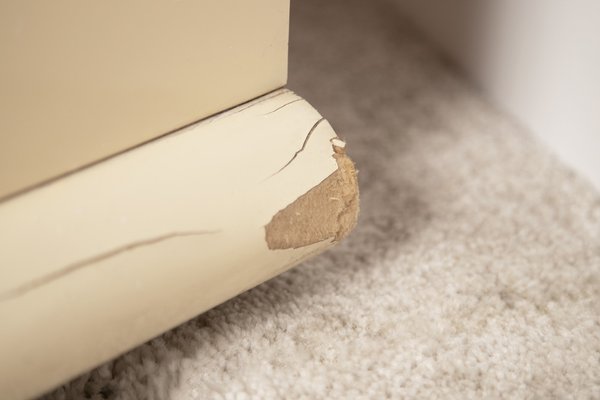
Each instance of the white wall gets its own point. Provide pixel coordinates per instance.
(538, 59)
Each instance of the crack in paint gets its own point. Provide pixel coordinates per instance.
(308, 135)
(244, 106)
(285, 105)
(71, 268)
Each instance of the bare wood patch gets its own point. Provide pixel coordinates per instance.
(327, 211)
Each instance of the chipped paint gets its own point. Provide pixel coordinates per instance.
(327, 211)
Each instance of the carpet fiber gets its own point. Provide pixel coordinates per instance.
(474, 270)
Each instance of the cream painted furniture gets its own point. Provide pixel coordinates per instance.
(106, 258)
(83, 80)
(116, 224)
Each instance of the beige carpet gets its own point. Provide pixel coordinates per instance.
(474, 271)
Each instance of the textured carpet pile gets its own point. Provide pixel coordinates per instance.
(474, 270)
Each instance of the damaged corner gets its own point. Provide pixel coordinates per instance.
(327, 211)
